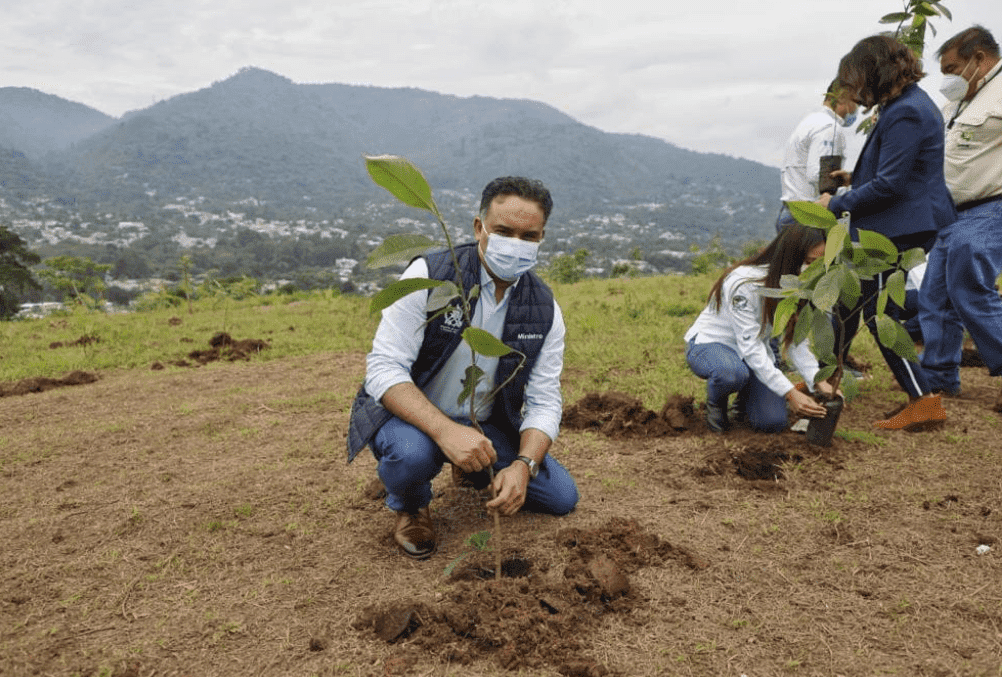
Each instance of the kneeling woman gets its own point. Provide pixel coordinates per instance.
(728, 345)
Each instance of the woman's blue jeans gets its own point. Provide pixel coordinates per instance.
(725, 373)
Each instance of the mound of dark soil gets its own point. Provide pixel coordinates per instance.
(84, 340)
(620, 415)
(39, 384)
(756, 461)
(529, 619)
(225, 347)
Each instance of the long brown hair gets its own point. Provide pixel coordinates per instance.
(878, 69)
(783, 256)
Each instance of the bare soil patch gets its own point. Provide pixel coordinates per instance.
(203, 521)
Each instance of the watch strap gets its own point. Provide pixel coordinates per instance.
(533, 466)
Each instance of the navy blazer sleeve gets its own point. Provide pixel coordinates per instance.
(897, 151)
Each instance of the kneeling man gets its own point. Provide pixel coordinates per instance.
(408, 412)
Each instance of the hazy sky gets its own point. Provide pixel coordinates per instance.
(728, 76)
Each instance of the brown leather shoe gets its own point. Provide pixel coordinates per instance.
(470, 480)
(924, 413)
(415, 533)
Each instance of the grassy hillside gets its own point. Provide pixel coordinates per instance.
(622, 334)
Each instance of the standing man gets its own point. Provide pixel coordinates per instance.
(958, 289)
(817, 135)
(408, 409)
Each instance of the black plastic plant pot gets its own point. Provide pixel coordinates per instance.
(821, 430)
(828, 164)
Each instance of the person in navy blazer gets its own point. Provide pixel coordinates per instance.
(898, 190)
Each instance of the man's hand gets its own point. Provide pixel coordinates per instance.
(824, 200)
(466, 448)
(510, 484)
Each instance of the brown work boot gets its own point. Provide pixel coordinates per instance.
(415, 533)
(470, 480)
(924, 413)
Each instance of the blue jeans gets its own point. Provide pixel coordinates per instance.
(409, 460)
(725, 373)
(958, 291)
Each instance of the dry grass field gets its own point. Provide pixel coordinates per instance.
(203, 521)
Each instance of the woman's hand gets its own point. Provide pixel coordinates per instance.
(826, 389)
(842, 177)
(824, 200)
(804, 406)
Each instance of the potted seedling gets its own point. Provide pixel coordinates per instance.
(810, 298)
(405, 182)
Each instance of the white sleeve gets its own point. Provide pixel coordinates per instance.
(398, 338)
(543, 400)
(822, 143)
(742, 306)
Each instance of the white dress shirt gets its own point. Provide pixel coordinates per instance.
(400, 334)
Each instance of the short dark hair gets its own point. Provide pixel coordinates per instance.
(969, 41)
(528, 189)
(878, 69)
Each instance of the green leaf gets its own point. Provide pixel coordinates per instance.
(813, 272)
(804, 319)
(825, 373)
(849, 386)
(887, 331)
(912, 258)
(399, 289)
(812, 214)
(785, 309)
(942, 10)
(850, 292)
(903, 346)
(871, 266)
(827, 291)
(824, 336)
(896, 17)
(474, 374)
(441, 297)
(896, 287)
(399, 249)
(838, 236)
(770, 293)
(874, 242)
(882, 301)
(484, 343)
(403, 180)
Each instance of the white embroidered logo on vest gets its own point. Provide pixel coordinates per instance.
(452, 320)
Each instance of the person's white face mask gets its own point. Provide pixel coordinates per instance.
(509, 257)
(954, 87)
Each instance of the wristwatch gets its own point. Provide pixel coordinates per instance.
(533, 466)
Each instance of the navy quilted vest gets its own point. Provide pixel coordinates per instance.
(527, 322)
